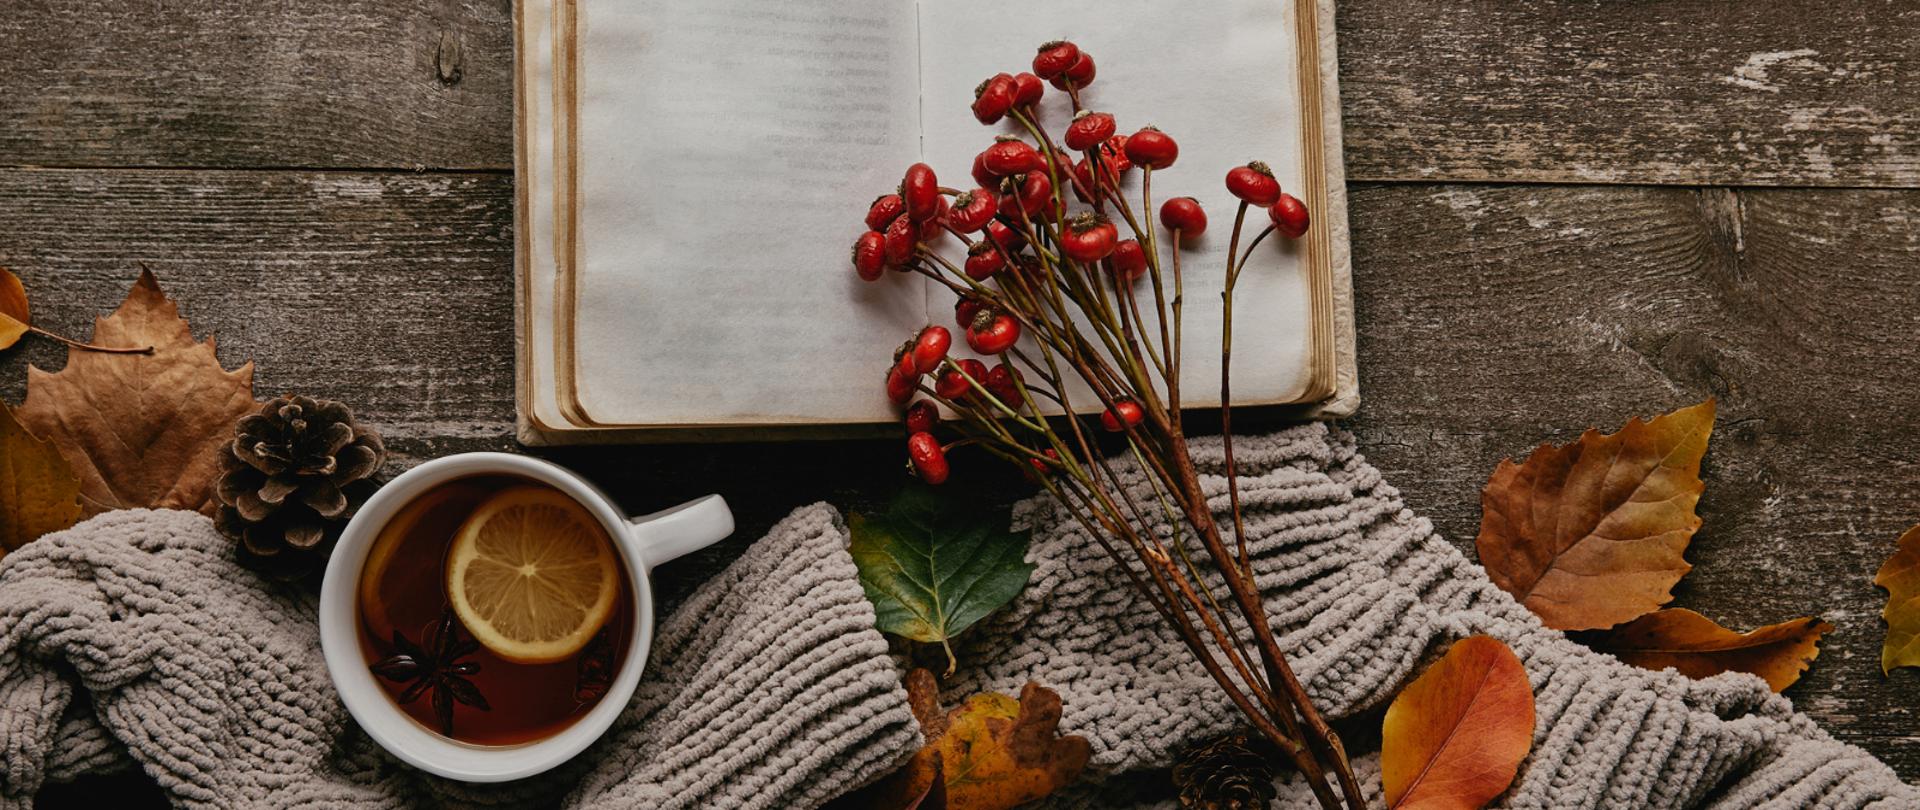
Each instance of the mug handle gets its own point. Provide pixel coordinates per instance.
(681, 530)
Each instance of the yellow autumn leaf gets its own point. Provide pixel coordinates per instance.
(1900, 575)
(14, 315)
(992, 753)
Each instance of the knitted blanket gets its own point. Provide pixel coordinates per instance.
(133, 640)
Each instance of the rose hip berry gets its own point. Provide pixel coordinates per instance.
(1184, 215)
(972, 210)
(929, 348)
(1011, 156)
(1129, 261)
(900, 240)
(921, 191)
(922, 416)
(928, 457)
(1089, 238)
(1001, 383)
(1089, 129)
(934, 227)
(981, 176)
(1032, 194)
(1081, 74)
(992, 332)
(1152, 148)
(870, 255)
(1114, 153)
(1289, 216)
(885, 209)
(993, 98)
(965, 310)
(1002, 234)
(983, 260)
(1054, 58)
(1084, 177)
(1124, 414)
(1046, 465)
(1254, 183)
(902, 380)
(1027, 89)
(953, 383)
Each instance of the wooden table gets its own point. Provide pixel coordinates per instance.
(1564, 214)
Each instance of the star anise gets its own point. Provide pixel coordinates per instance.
(440, 671)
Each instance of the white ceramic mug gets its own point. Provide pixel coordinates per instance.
(644, 542)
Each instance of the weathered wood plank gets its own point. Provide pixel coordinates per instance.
(1672, 91)
(390, 291)
(355, 83)
(1659, 92)
(1492, 317)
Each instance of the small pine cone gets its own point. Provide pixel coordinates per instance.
(1225, 773)
(295, 472)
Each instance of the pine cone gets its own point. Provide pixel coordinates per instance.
(1225, 773)
(295, 472)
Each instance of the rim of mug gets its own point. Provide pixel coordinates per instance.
(370, 705)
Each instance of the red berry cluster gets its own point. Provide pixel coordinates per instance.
(1020, 237)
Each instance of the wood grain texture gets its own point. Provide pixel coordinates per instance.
(1765, 92)
(1671, 91)
(1492, 318)
(257, 83)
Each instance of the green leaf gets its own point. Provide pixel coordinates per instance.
(933, 567)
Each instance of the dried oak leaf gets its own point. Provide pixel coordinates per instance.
(14, 315)
(1900, 575)
(141, 430)
(1591, 534)
(1699, 648)
(38, 491)
(1454, 738)
(991, 753)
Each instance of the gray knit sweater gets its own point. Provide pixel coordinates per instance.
(133, 640)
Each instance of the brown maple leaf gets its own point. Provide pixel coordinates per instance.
(38, 491)
(141, 430)
(1591, 534)
(991, 753)
(1698, 647)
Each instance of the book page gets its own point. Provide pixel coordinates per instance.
(1222, 78)
(534, 189)
(727, 153)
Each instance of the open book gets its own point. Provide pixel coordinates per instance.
(691, 172)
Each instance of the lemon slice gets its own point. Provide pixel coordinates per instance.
(532, 575)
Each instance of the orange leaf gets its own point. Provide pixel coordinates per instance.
(991, 753)
(1900, 575)
(141, 430)
(1454, 738)
(1699, 648)
(38, 493)
(1591, 534)
(14, 316)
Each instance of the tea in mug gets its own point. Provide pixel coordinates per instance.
(494, 610)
